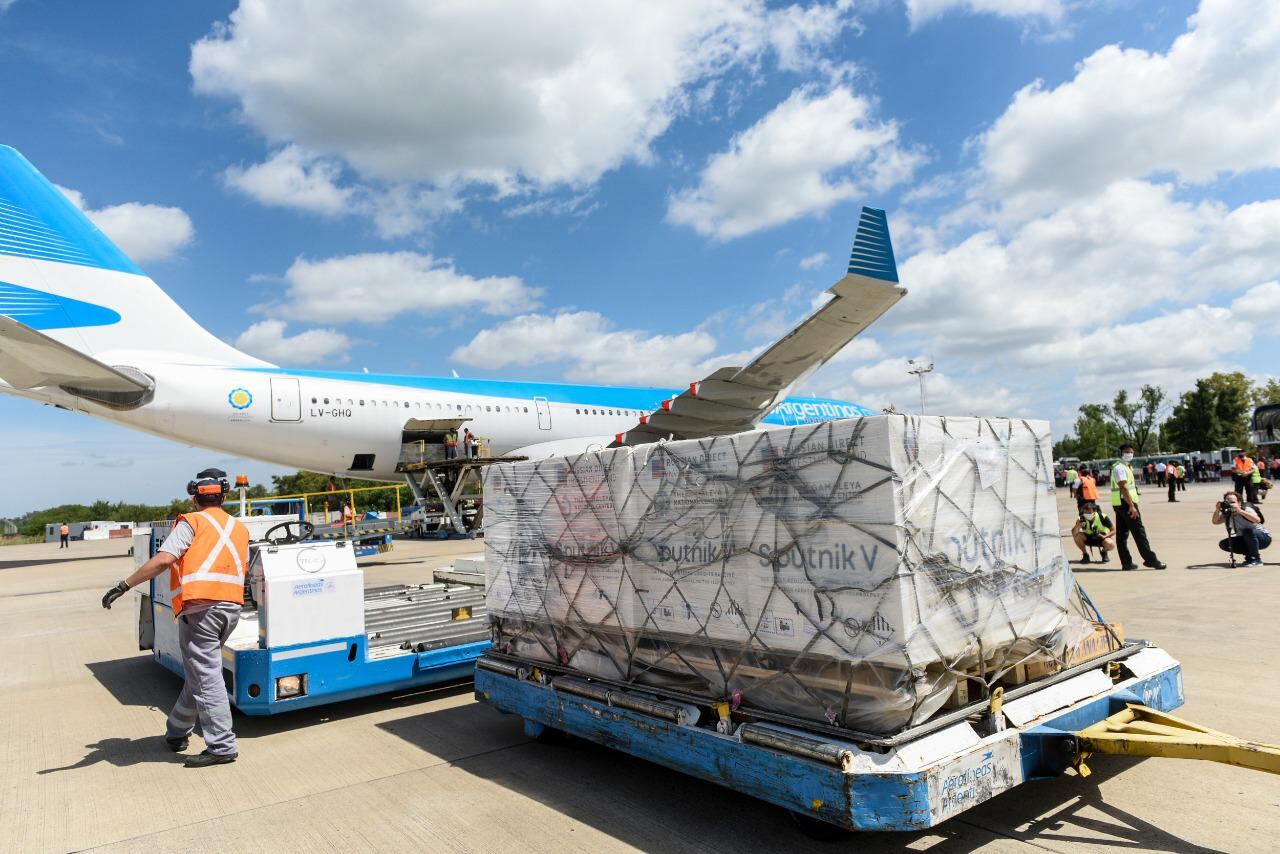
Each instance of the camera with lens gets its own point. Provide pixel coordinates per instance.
(1225, 509)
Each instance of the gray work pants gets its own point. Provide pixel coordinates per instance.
(204, 694)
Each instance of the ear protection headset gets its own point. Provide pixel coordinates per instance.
(209, 482)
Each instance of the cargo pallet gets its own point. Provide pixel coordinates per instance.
(833, 780)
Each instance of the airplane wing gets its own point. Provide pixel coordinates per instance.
(30, 359)
(732, 400)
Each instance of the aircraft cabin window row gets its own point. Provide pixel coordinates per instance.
(418, 405)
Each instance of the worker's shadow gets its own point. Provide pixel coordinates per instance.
(122, 752)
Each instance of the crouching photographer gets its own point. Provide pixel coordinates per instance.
(1093, 528)
(1245, 534)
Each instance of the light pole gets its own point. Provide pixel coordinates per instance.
(920, 367)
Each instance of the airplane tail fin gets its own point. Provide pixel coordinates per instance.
(872, 254)
(61, 276)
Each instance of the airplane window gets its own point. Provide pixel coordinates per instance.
(406, 404)
(526, 409)
(488, 409)
(362, 403)
(326, 401)
(313, 400)
(610, 411)
(576, 412)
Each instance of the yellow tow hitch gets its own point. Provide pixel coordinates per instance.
(1142, 731)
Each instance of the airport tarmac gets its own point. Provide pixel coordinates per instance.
(83, 764)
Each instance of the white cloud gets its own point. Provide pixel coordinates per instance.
(922, 11)
(1083, 301)
(503, 94)
(377, 286)
(1260, 304)
(887, 383)
(810, 152)
(267, 340)
(1184, 340)
(591, 348)
(1134, 247)
(1205, 108)
(813, 262)
(144, 232)
(293, 178)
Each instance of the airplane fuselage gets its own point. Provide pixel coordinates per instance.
(353, 424)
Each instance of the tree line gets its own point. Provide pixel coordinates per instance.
(32, 524)
(1214, 413)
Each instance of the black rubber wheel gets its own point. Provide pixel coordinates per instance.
(816, 828)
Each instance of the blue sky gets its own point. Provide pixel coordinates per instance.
(1083, 195)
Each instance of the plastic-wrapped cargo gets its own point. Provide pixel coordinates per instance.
(848, 572)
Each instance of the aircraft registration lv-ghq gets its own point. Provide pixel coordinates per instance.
(83, 328)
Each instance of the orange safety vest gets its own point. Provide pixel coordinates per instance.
(214, 566)
(1088, 488)
(1244, 465)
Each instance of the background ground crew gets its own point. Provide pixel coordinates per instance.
(65, 533)
(206, 555)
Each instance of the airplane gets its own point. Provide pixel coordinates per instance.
(83, 328)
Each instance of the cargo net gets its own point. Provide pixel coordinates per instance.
(850, 573)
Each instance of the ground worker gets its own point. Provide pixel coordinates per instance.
(1241, 472)
(1086, 489)
(451, 445)
(1124, 503)
(65, 533)
(206, 555)
(1093, 528)
(1070, 478)
(1171, 476)
(1254, 484)
(348, 514)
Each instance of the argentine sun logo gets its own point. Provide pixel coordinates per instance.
(240, 398)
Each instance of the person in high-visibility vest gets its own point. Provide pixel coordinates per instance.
(205, 555)
(1093, 528)
(1241, 472)
(1255, 482)
(1086, 488)
(64, 533)
(1070, 478)
(1124, 503)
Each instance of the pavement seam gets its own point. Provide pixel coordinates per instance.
(303, 797)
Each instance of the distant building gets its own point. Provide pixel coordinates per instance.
(95, 530)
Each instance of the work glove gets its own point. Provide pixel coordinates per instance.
(114, 593)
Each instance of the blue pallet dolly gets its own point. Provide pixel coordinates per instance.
(837, 781)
